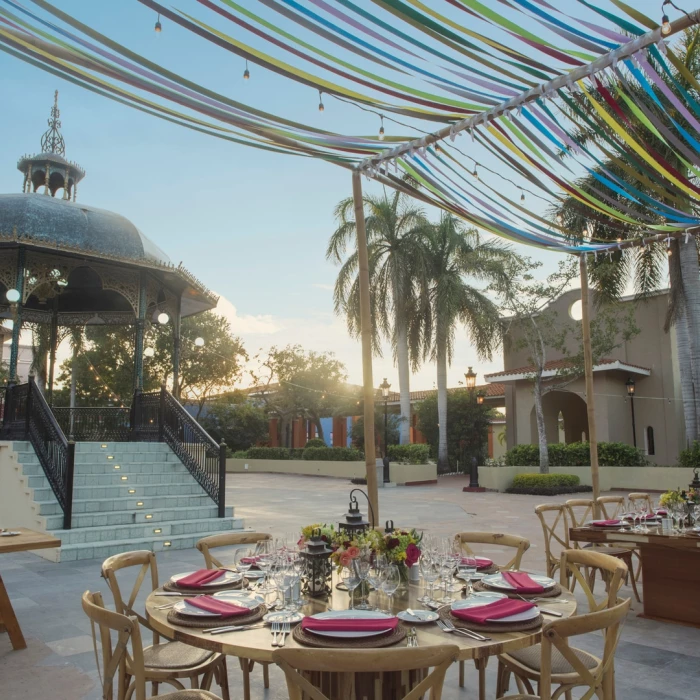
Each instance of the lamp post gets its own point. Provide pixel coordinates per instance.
(470, 379)
(385, 386)
(630, 392)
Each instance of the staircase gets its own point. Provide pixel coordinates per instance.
(126, 496)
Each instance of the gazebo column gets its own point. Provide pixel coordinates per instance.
(140, 330)
(53, 340)
(17, 316)
(176, 352)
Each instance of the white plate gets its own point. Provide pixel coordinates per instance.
(9, 534)
(227, 577)
(351, 615)
(246, 600)
(480, 600)
(280, 616)
(497, 581)
(418, 617)
(476, 576)
(185, 608)
(254, 574)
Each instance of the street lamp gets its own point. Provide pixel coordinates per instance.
(385, 386)
(480, 397)
(470, 378)
(630, 392)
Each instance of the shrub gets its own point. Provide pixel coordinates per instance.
(691, 457)
(333, 454)
(316, 442)
(239, 454)
(576, 454)
(546, 484)
(268, 453)
(409, 454)
(296, 453)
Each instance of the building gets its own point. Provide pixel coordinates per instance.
(649, 359)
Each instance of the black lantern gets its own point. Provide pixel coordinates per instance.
(630, 386)
(695, 484)
(470, 378)
(389, 527)
(319, 570)
(354, 521)
(480, 397)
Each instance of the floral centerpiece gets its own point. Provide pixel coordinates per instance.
(679, 497)
(402, 547)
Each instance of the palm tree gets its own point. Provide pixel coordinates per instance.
(396, 252)
(458, 256)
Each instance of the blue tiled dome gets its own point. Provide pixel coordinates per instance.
(47, 220)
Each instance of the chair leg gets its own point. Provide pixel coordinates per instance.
(223, 679)
(154, 688)
(461, 674)
(266, 676)
(634, 584)
(245, 667)
(481, 668)
(502, 679)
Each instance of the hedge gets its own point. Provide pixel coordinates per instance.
(268, 453)
(409, 454)
(546, 484)
(316, 442)
(691, 457)
(576, 454)
(333, 454)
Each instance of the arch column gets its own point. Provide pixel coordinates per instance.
(17, 316)
(140, 331)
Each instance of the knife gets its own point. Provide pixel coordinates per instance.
(551, 612)
(232, 628)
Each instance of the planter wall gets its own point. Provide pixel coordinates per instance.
(632, 478)
(399, 473)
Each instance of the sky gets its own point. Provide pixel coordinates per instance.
(253, 226)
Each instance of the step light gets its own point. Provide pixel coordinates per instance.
(157, 531)
(124, 478)
(139, 503)
(132, 490)
(167, 544)
(110, 456)
(149, 517)
(104, 447)
(117, 466)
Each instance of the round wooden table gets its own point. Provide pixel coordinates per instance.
(255, 644)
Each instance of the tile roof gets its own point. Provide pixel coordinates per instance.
(491, 391)
(554, 365)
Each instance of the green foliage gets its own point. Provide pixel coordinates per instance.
(315, 442)
(524, 480)
(409, 454)
(239, 454)
(268, 453)
(467, 427)
(357, 431)
(690, 457)
(236, 421)
(576, 454)
(333, 454)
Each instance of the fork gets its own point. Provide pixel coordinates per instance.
(446, 626)
(549, 601)
(275, 631)
(285, 631)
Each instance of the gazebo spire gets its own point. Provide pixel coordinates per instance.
(52, 141)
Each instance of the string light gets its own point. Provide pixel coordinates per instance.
(475, 173)
(665, 25)
(320, 101)
(158, 26)
(149, 352)
(199, 342)
(246, 72)
(163, 318)
(522, 196)
(381, 128)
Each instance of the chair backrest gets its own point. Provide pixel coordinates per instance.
(573, 560)
(227, 539)
(555, 527)
(579, 511)
(556, 635)
(343, 663)
(147, 561)
(611, 506)
(633, 498)
(520, 544)
(116, 658)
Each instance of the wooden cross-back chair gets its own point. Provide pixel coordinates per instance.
(526, 664)
(166, 662)
(557, 656)
(344, 663)
(579, 512)
(611, 507)
(555, 527)
(520, 545)
(235, 539)
(634, 498)
(124, 659)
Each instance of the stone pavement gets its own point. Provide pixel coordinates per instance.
(654, 660)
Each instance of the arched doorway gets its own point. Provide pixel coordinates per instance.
(564, 416)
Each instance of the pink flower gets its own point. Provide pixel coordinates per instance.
(345, 559)
(412, 554)
(354, 552)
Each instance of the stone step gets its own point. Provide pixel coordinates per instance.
(120, 447)
(133, 517)
(82, 535)
(125, 457)
(134, 502)
(102, 550)
(132, 468)
(84, 493)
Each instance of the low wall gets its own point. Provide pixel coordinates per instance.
(629, 478)
(399, 473)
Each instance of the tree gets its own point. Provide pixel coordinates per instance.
(393, 424)
(456, 254)
(395, 228)
(293, 382)
(537, 328)
(237, 421)
(467, 431)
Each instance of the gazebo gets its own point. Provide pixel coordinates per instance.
(67, 264)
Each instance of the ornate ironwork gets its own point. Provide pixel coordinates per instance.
(108, 424)
(52, 141)
(145, 417)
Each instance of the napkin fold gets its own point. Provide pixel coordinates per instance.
(493, 611)
(220, 607)
(483, 563)
(605, 523)
(250, 560)
(198, 578)
(521, 582)
(339, 624)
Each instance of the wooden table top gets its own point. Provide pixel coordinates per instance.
(654, 537)
(255, 644)
(27, 539)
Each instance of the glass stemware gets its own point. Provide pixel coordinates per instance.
(390, 582)
(265, 554)
(352, 580)
(430, 573)
(243, 559)
(375, 574)
(363, 566)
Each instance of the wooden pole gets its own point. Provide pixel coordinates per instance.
(588, 363)
(366, 332)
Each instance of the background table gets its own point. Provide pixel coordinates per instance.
(670, 570)
(255, 644)
(27, 539)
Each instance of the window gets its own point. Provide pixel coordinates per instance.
(650, 441)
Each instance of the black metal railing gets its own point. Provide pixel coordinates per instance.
(95, 424)
(145, 417)
(196, 449)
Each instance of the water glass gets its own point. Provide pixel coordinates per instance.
(390, 582)
(352, 580)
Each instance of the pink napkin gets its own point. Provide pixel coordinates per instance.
(605, 523)
(250, 560)
(346, 625)
(483, 563)
(493, 611)
(522, 582)
(661, 512)
(199, 578)
(214, 605)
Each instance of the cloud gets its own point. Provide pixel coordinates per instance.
(328, 287)
(246, 324)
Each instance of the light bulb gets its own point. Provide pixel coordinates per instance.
(163, 318)
(199, 342)
(320, 101)
(665, 25)
(437, 148)
(158, 26)
(522, 196)
(381, 133)
(246, 72)
(149, 352)
(12, 296)
(475, 173)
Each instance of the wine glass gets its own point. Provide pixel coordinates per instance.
(363, 564)
(430, 573)
(466, 569)
(281, 578)
(390, 582)
(243, 559)
(264, 553)
(352, 580)
(375, 573)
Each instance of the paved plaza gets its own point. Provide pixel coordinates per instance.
(654, 660)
